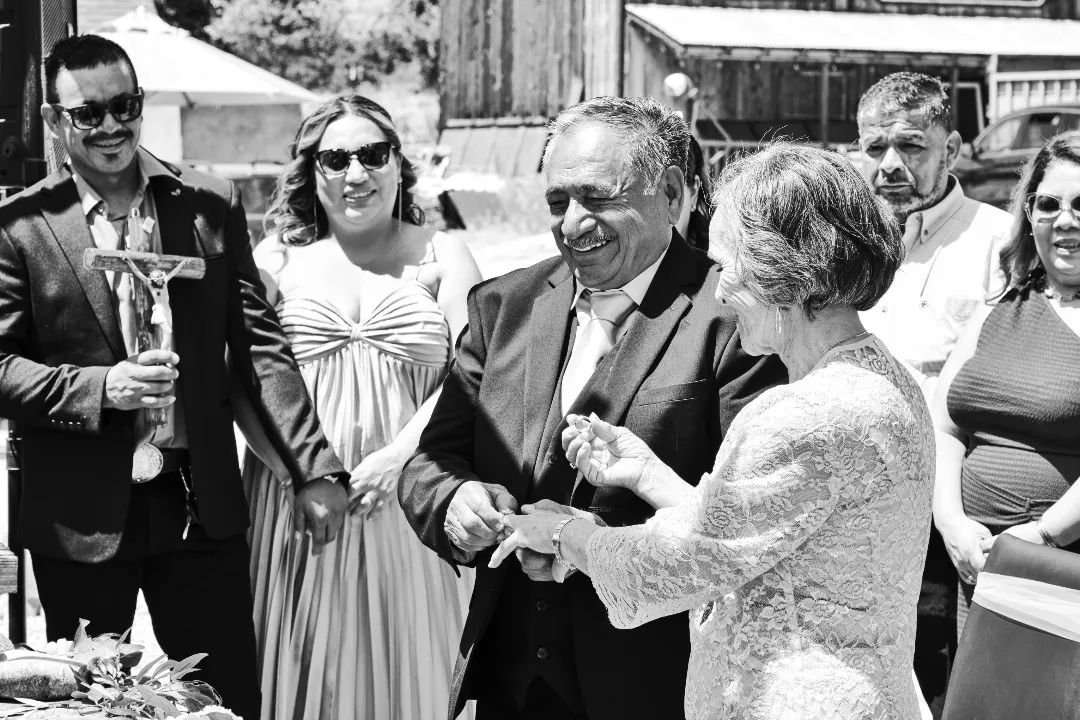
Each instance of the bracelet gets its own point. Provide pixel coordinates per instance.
(556, 542)
(1047, 538)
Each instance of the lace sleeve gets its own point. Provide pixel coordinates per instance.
(777, 478)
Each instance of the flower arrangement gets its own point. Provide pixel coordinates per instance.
(97, 676)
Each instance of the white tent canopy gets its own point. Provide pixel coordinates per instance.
(176, 69)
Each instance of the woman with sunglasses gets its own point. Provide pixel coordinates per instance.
(1007, 408)
(371, 302)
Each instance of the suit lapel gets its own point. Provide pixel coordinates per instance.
(616, 381)
(174, 205)
(548, 326)
(64, 216)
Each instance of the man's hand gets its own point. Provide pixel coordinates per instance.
(537, 567)
(146, 380)
(320, 510)
(474, 519)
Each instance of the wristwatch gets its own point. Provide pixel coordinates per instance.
(1047, 538)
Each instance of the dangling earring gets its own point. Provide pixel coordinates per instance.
(779, 327)
(399, 208)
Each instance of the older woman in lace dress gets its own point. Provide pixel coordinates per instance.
(799, 556)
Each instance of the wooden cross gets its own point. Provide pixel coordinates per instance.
(154, 329)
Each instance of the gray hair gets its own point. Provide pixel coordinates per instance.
(656, 136)
(909, 92)
(806, 229)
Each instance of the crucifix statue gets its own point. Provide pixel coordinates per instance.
(154, 272)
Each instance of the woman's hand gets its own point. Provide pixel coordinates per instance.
(550, 506)
(374, 481)
(1028, 531)
(967, 542)
(607, 456)
(529, 532)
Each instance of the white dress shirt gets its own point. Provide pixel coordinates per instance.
(951, 267)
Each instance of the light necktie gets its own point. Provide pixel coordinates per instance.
(606, 310)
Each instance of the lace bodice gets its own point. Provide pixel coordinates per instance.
(800, 554)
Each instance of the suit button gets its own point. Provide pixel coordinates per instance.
(553, 458)
(542, 605)
(542, 653)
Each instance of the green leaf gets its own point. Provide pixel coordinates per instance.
(157, 701)
(187, 664)
(81, 642)
(148, 668)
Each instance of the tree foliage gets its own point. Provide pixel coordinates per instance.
(324, 45)
(406, 33)
(300, 40)
(191, 15)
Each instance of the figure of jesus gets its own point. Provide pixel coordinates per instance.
(157, 282)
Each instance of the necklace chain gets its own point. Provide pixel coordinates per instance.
(850, 339)
(1051, 293)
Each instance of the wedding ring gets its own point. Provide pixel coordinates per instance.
(573, 466)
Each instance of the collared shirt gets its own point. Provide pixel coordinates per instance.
(951, 267)
(109, 230)
(635, 289)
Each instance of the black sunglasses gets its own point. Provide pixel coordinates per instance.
(372, 157)
(124, 108)
(1042, 207)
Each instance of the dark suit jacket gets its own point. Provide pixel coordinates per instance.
(676, 378)
(59, 335)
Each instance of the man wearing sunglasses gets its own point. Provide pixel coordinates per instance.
(951, 267)
(100, 520)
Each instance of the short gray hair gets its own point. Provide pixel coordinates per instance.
(909, 92)
(656, 136)
(807, 230)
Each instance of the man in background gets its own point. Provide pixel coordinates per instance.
(951, 267)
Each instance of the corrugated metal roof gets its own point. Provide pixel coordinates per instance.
(815, 30)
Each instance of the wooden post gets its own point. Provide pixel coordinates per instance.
(15, 587)
(954, 95)
(602, 45)
(824, 89)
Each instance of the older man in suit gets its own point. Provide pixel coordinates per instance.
(624, 324)
(73, 376)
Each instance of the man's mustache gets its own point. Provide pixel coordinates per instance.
(118, 135)
(597, 237)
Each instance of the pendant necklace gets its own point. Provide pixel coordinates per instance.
(1061, 297)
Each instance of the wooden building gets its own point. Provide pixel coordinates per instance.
(761, 67)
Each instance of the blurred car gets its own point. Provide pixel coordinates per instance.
(256, 182)
(989, 167)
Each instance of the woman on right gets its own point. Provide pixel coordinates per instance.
(799, 557)
(1007, 404)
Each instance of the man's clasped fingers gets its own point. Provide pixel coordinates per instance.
(475, 518)
(320, 511)
(537, 567)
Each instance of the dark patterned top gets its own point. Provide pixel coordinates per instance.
(1018, 399)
